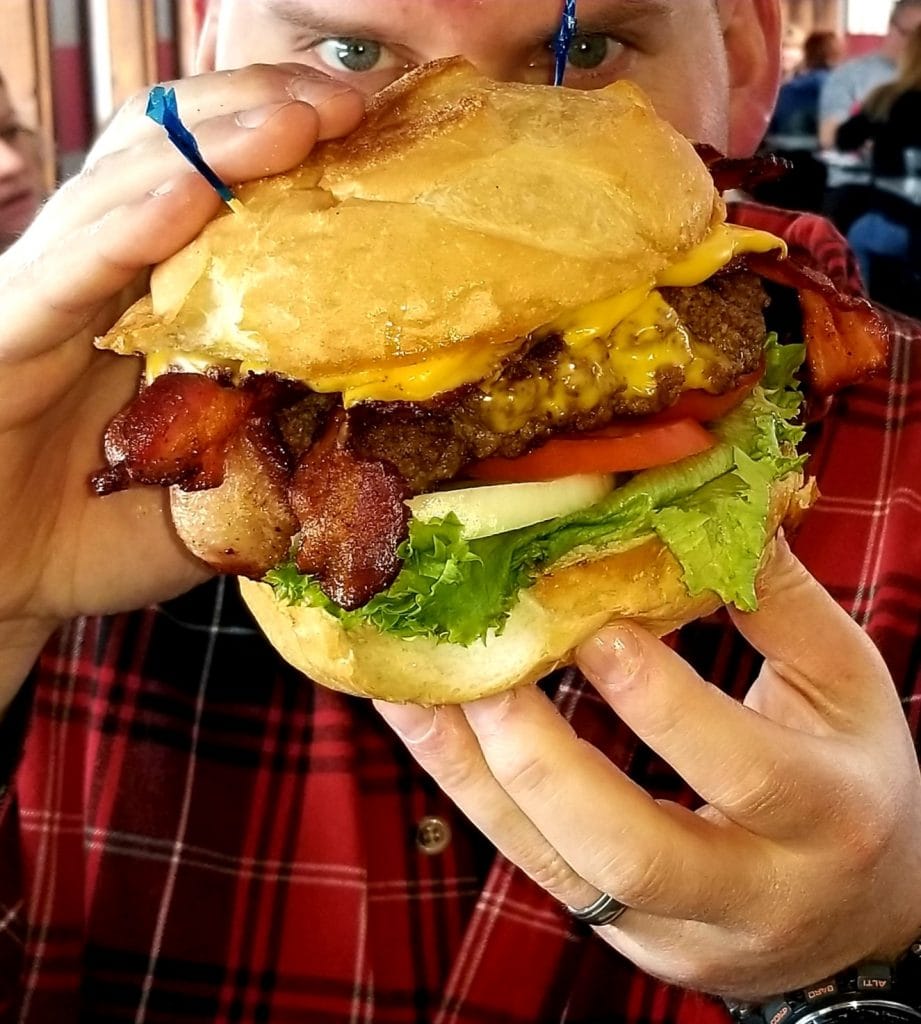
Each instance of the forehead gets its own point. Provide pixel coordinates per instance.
(511, 16)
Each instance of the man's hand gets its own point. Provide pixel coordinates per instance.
(135, 203)
(806, 854)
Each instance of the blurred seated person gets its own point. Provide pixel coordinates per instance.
(791, 53)
(843, 92)
(851, 82)
(889, 122)
(20, 173)
(794, 127)
(797, 110)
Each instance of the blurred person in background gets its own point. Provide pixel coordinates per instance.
(851, 82)
(794, 127)
(791, 53)
(847, 193)
(889, 122)
(20, 172)
(797, 110)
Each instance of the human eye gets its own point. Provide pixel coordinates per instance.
(594, 59)
(593, 51)
(9, 133)
(355, 55)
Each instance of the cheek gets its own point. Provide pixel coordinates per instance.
(696, 105)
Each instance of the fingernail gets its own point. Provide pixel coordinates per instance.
(779, 571)
(487, 713)
(257, 116)
(410, 721)
(612, 656)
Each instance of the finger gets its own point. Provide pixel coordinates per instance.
(757, 772)
(59, 293)
(240, 146)
(442, 742)
(279, 141)
(657, 857)
(815, 647)
(217, 94)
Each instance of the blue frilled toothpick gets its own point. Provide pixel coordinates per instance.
(162, 108)
(563, 39)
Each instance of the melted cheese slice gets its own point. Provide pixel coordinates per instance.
(422, 381)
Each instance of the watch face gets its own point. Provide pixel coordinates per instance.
(877, 1012)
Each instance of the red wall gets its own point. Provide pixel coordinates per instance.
(857, 46)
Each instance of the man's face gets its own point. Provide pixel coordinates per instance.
(673, 49)
(20, 178)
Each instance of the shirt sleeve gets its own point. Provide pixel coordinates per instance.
(13, 729)
(854, 132)
(837, 97)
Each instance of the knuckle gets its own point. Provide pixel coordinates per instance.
(260, 78)
(520, 774)
(552, 873)
(264, 83)
(444, 754)
(134, 107)
(639, 881)
(866, 838)
(762, 795)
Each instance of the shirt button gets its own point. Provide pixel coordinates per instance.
(432, 835)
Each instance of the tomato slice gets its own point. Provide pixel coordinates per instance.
(707, 408)
(692, 405)
(633, 447)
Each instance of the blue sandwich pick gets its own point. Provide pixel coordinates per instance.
(563, 39)
(162, 108)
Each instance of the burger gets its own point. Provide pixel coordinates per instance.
(468, 384)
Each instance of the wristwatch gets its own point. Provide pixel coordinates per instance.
(882, 993)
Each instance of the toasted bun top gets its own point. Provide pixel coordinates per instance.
(462, 213)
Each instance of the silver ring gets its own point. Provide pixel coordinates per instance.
(603, 911)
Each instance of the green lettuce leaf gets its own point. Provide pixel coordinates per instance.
(710, 509)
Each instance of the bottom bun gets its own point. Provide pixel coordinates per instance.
(565, 606)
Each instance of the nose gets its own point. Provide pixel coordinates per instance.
(12, 160)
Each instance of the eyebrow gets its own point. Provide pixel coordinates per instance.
(623, 12)
(308, 17)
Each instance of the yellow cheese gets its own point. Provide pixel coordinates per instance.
(167, 361)
(722, 244)
(648, 334)
(624, 361)
(419, 382)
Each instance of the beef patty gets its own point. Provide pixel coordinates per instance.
(715, 331)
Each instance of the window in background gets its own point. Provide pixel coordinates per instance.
(868, 17)
(70, 63)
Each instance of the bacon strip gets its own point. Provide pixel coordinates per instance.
(730, 173)
(245, 526)
(846, 338)
(353, 519)
(174, 432)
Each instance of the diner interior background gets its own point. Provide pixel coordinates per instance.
(69, 64)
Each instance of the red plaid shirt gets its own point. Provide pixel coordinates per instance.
(195, 833)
